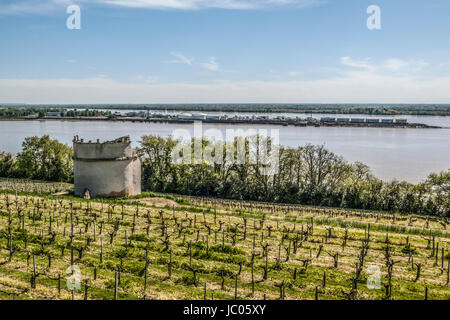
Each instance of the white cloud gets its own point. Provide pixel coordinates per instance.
(362, 64)
(399, 64)
(28, 6)
(212, 65)
(395, 64)
(181, 58)
(391, 65)
(147, 79)
(44, 6)
(203, 4)
(354, 87)
(294, 73)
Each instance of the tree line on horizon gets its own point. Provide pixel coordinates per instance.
(103, 110)
(307, 175)
(40, 112)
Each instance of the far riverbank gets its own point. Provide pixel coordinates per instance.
(297, 122)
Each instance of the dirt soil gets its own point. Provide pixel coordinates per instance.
(156, 201)
(62, 193)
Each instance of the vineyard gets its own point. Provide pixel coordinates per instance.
(174, 247)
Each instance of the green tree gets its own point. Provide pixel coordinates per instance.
(45, 159)
(7, 165)
(306, 175)
(158, 170)
(440, 192)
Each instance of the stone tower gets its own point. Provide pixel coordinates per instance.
(108, 169)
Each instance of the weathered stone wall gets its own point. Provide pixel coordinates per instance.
(119, 148)
(109, 169)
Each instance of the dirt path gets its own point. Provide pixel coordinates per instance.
(157, 201)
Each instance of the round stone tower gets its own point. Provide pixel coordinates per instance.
(108, 169)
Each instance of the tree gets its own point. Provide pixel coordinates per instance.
(440, 192)
(325, 172)
(45, 159)
(7, 165)
(158, 168)
(305, 175)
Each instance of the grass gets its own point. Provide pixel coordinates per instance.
(170, 252)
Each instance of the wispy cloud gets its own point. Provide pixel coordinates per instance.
(392, 65)
(146, 79)
(44, 6)
(181, 58)
(12, 7)
(294, 73)
(204, 4)
(399, 64)
(211, 65)
(354, 63)
(357, 87)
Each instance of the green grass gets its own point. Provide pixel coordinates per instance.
(215, 228)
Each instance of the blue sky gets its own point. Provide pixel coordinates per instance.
(188, 51)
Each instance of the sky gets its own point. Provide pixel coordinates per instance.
(224, 51)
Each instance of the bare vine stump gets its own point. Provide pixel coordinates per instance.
(86, 289)
(235, 287)
(116, 282)
(59, 284)
(204, 291)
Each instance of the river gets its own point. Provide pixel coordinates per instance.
(403, 154)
